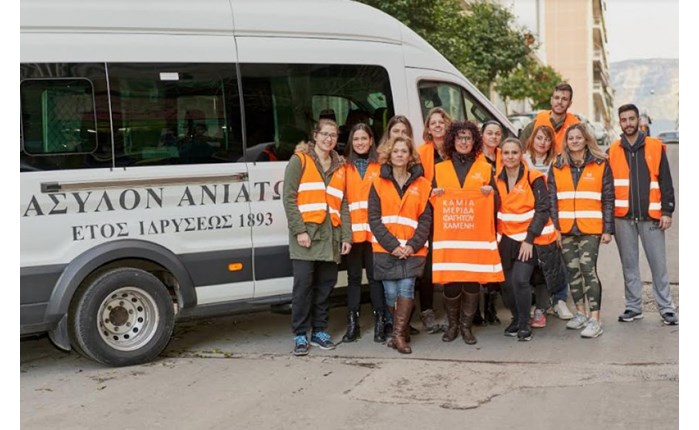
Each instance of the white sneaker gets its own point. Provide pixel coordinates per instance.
(577, 322)
(562, 310)
(592, 329)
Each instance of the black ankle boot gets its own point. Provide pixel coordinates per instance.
(490, 312)
(379, 326)
(353, 332)
(478, 317)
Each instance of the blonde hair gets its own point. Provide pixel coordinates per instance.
(426, 135)
(386, 149)
(551, 153)
(590, 143)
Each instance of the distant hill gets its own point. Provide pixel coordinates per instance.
(652, 85)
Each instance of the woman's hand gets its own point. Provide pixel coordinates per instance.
(397, 252)
(408, 251)
(559, 242)
(436, 192)
(486, 189)
(525, 251)
(304, 240)
(606, 238)
(346, 248)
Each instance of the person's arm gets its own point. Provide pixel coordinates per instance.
(667, 190)
(292, 178)
(541, 209)
(553, 199)
(608, 200)
(423, 230)
(378, 229)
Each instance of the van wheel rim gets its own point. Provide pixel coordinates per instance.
(128, 319)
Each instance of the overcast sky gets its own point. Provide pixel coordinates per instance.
(642, 29)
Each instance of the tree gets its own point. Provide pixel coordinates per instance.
(531, 81)
(480, 39)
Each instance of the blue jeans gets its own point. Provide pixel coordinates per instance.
(398, 287)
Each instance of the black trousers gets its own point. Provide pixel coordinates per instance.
(362, 257)
(517, 291)
(310, 301)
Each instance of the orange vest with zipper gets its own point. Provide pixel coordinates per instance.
(620, 170)
(464, 248)
(582, 205)
(498, 161)
(357, 191)
(517, 209)
(544, 118)
(314, 198)
(401, 215)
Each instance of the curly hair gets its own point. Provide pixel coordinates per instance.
(457, 127)
(386, 149)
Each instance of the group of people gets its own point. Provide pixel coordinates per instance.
(478, 215)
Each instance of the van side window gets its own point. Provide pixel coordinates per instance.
(284, 101)
(64, 117)
(167, 114)
(458, 102)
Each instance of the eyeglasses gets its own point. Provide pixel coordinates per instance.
(325, 135)
(466, 138)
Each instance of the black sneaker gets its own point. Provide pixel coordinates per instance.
(630, 315)
(301, 345)
(524, 335)
(321, 339)
(670, 318)
(511, 329)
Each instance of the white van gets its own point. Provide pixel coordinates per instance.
(154, 138)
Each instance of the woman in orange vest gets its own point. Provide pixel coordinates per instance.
(431, 152)
(319, 232)
(492, 132)
(582, 207)
(361, 168)
(463, 169)
(552, 283)
(524, 225)
(400, 217)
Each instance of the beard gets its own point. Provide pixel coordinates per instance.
(633, 131)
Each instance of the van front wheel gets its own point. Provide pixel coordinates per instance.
(122, 318)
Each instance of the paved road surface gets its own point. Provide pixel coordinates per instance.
(237, 372)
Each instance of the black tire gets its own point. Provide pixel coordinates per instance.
(123, 317)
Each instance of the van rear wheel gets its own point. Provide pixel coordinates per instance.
(124, 317)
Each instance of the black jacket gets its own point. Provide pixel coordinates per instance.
(607, 193)
(639, 181)
(386, 266)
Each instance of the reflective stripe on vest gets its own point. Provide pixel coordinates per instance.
(583, 205)
(544, 118)
(314, 198)
(401, 215)
(620, 169)
(464, 248)
(517, 209)
(357, 191)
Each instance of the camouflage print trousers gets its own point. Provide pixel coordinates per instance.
(580, 256)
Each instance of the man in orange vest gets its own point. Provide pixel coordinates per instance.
(557, 118)
(643, 207)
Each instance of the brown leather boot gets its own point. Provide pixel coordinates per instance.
(404, 306)
(452, 308)
(469, 304)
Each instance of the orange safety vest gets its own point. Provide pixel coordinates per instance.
(314, 198)
(583, 204)
(621, 173)
(544, 118)
(498, 160)
(426, 151)
(517, 209)
(357, 191)
(401, 215)
(464, 248)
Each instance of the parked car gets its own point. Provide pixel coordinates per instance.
(600, 133)
(669, 136)
(520, 122)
